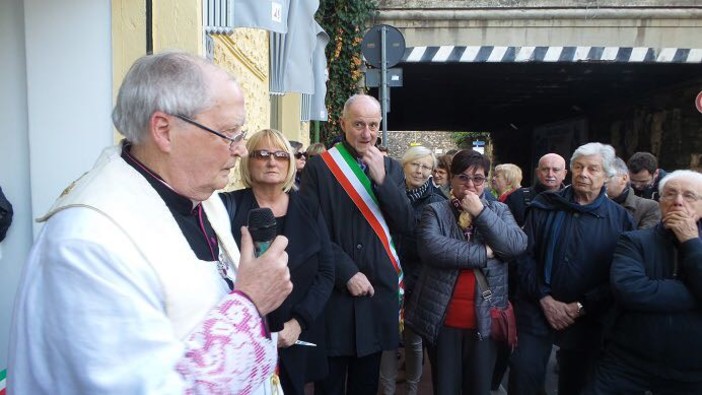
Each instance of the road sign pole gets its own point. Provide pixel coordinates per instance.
(384, 83)
(383, 47)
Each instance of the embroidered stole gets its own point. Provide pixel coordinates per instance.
(357, 185)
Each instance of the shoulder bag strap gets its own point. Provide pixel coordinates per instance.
(483, 285)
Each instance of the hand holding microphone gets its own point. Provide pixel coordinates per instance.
(263, 228)
(263, 272)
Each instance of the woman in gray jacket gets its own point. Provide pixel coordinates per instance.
(446, 309)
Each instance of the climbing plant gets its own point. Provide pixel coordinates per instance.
(346, 22)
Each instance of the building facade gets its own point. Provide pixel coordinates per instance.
(62, 65)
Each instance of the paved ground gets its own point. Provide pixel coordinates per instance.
(425, 383)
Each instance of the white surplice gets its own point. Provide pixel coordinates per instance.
(113, 300)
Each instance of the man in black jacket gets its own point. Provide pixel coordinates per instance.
(563, 291)
(550, 174)
(361, 194)
(656, 279)
(645, 175)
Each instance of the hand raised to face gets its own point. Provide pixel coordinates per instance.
(375, 161)
(471, 203)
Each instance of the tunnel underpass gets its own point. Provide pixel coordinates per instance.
(510, 99)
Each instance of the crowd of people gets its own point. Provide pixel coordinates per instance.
(146, 279)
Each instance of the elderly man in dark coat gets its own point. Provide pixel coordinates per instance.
(656, 280)
(550, 175)
(563, 291)
(361, 194)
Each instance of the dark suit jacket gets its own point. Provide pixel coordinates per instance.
(360, 326)
(312, 274)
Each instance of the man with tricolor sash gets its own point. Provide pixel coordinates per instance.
(361, 195)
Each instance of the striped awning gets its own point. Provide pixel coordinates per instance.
(480, 54)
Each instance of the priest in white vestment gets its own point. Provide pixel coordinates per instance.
(135, 284)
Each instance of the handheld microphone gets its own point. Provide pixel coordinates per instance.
(262, 226)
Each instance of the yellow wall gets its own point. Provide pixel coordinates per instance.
(177, 24)
(245, 54)
(290, 119)
(128, 39)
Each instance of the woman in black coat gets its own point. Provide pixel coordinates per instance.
(269, 173)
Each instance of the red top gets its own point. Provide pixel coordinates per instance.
(460, 312)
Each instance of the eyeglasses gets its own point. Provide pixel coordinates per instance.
(264, 154)
(642, 184)
(360, 125)
(477, 180)
(300, 155)
(417, 165)
(689, 197)
(232, 140)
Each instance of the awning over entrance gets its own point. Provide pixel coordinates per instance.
(486, 54)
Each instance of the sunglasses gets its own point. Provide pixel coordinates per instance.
(265, 154)
(299, 155)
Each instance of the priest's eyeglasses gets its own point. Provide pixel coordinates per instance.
(236, 137)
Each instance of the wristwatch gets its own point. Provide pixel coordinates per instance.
(581, 309)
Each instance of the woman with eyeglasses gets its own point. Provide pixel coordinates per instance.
(269, 174)
(417, 164)
(456, 238)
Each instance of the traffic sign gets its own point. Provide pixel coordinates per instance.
(394, 79)
(698, 102)
(394, 45)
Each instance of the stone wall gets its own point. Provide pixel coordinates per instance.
(400, 141)
(634, 23)
(438, 141)
(459, 4)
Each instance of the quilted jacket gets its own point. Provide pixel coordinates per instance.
(445, 252)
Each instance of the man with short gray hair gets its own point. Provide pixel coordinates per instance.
(563, 279)
(656, 279)
(645, 212)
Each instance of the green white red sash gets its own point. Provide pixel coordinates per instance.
(357, 185)
(3, 382)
